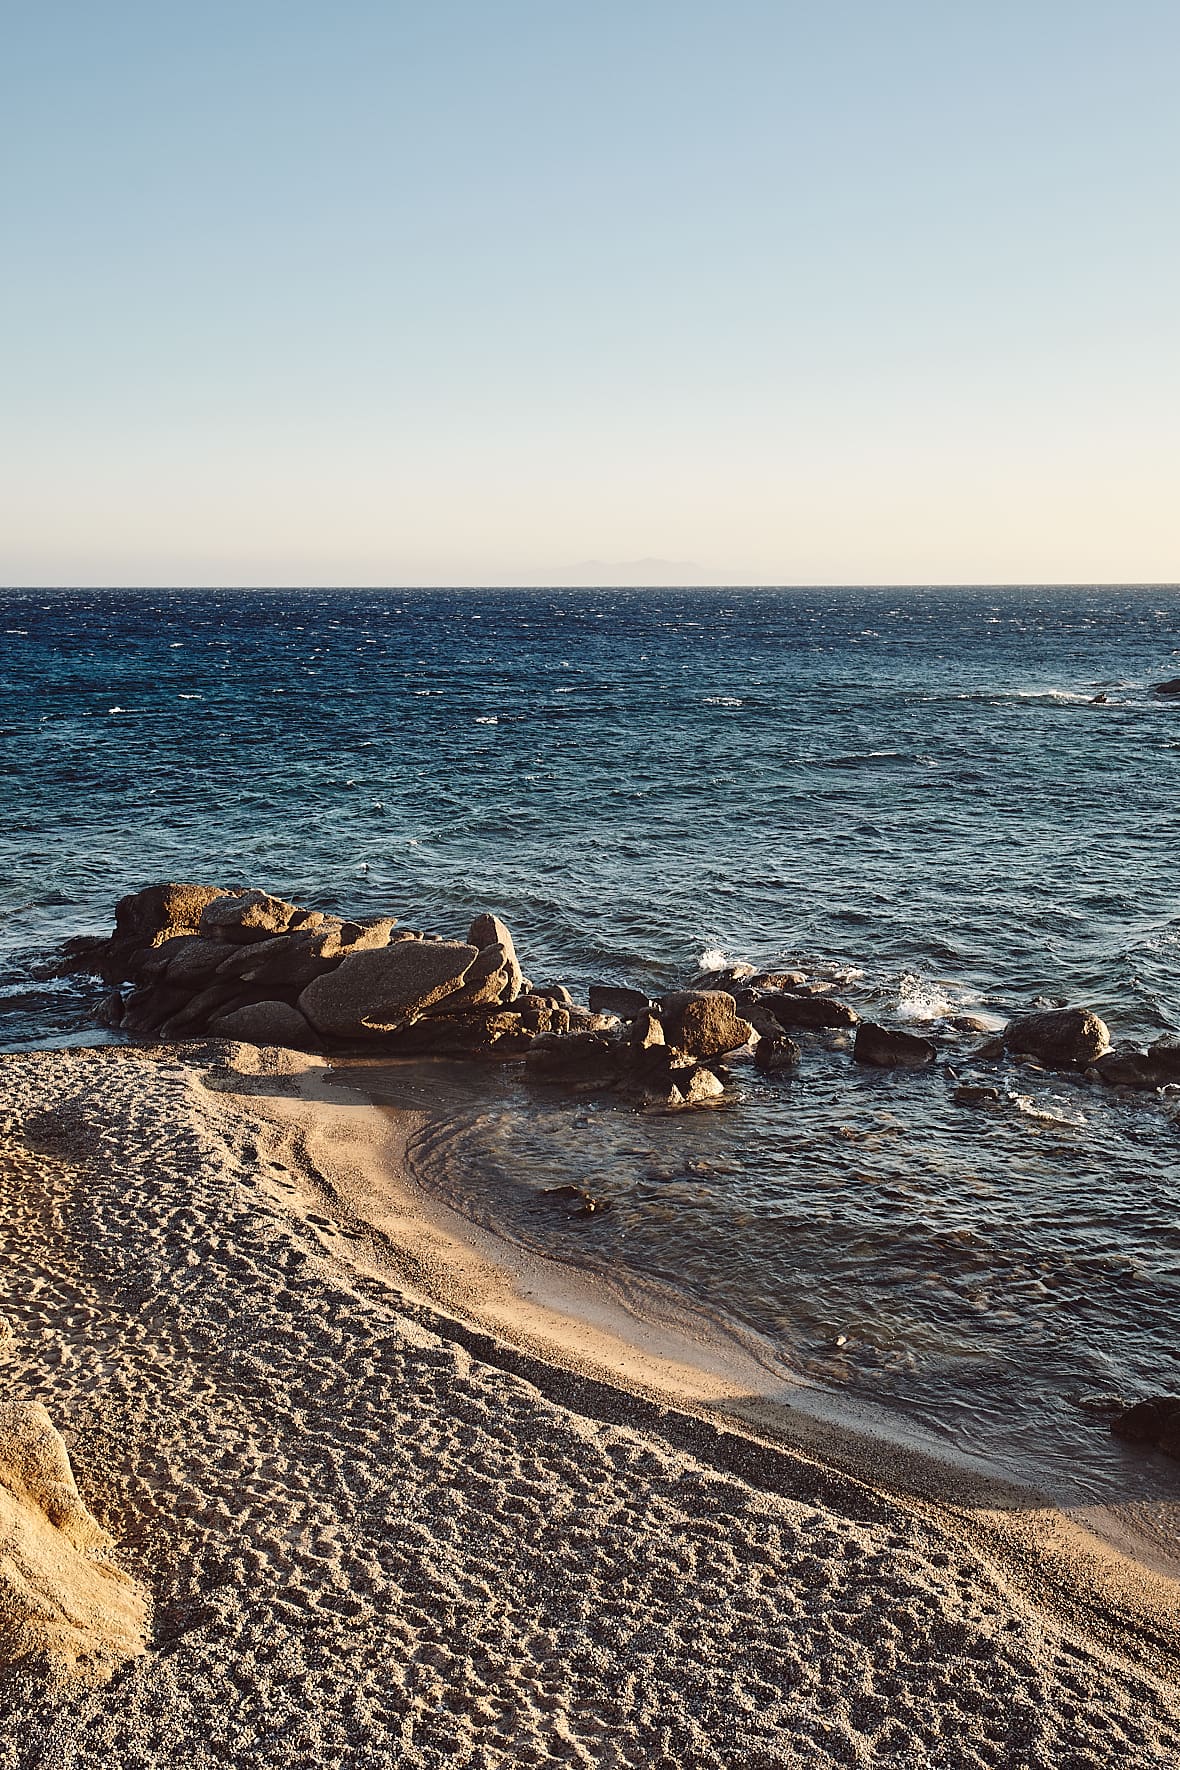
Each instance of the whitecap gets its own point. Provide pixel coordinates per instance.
(486, 719)
(713, 959)
(722, 700)
(1045, 1114)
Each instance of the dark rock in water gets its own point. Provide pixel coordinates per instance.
(723, 979)
(775, 1053)
(608, 998)
(1061, 1038)
(247, 915)
(83, 955)
(110, 1010)
(379, 991)
(585, 1204)
(265, 1023)
(1155, 1421)
(791, 1009)
(884, 1048)
(704, 1023)
(971, 1023)
(1126, 1068)
(1167, 689)
(974, 1094)
(1165, 1059)
(991, 1049)
(556, 993)
(488, 930)
(778, 981)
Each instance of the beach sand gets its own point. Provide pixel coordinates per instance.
(397, 1501)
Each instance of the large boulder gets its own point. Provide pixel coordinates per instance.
(288, 962)
(885, 1048)
(246, 916)
(61, 1597)
(1060, 1038)
(704, 1023)
(487, 930)
(791, 1009)
(378, 991)
(264, 1023)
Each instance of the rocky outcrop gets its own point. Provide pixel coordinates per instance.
(885, 1048)
(1060, 1038)
(62, 1599)
(387, 988)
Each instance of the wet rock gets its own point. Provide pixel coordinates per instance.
(792, 982)
(976, 1095)
(1154, 1422)
(775, 1053)
(265, 1023)
(1060, 1038)
(608, 998)
(1164, 1055)
(792, 1009)
(885, 1048)
(246, 916)
(1168, 690)
(724, 979)
(476, 1034)
(488, 930)
(704, 1023)
(991, 1050)
(373, 992)
(1126, 1067)
(584, 1203)
(110, 1010)
(971, 1023)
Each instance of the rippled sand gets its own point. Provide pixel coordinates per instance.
(368, 1544)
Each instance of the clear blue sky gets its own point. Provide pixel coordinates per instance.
(459, 292)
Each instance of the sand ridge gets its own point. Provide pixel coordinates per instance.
(369, 1546)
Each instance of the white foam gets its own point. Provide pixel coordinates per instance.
(486, 719)
(713, 959)
(1046, 1114)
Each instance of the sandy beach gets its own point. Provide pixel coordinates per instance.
(394, 1499)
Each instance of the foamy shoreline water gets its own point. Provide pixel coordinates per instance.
(372, 1539)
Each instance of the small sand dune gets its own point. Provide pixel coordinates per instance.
(367, 1546)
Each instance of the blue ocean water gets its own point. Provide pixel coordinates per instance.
(913, 790)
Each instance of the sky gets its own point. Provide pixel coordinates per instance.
(525, 291)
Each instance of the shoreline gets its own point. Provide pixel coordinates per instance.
(372, 1520)
(565, 1316)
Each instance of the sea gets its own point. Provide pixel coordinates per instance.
(942, 801)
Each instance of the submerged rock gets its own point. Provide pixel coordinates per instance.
(1168, 689)
(976, 1094)
(1154, 1421)
(1061, 1038)
(885, 1048)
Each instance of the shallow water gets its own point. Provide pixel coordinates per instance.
(913, 790)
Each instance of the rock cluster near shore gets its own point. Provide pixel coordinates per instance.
(235, 963)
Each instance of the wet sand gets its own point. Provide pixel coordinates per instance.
(401, 1498)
